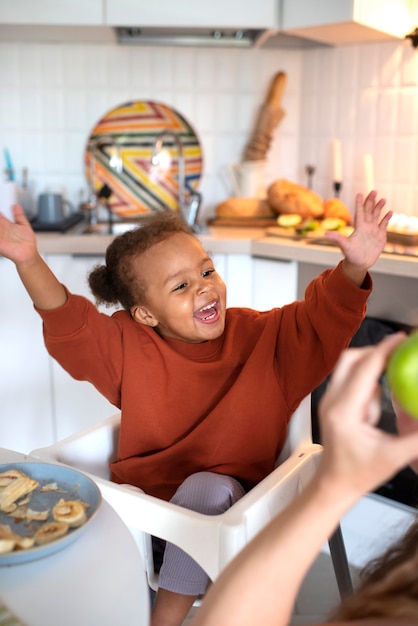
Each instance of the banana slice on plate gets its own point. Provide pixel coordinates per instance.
(8, 477)
(16, 489)
(50, 532)
(72, 512)
(10, 541)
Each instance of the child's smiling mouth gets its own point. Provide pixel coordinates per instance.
(208, 313)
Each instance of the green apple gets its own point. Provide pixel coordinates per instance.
(402, 374)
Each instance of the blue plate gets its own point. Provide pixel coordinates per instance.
(72, 485)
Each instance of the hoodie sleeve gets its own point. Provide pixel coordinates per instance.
(86, 343)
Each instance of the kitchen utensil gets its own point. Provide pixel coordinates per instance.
(270, 114)
(248, 179)
(139, 186)
(52, 208)
(10, 173)
(71, 484)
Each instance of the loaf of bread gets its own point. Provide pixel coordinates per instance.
(334, 207)
(244, 207)
(287, 197)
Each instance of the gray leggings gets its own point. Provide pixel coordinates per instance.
(207, 493)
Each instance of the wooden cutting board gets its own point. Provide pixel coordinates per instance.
(403, 239)
(248, 222)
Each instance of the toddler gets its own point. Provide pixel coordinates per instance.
(205, 392)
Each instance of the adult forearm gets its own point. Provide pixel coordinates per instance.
(41, 284)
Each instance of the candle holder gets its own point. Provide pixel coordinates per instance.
(310, 171)
(337, 188)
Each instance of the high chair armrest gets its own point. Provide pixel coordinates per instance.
(225, 535)
(89, 450)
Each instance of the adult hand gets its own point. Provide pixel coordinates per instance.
(358, 455)
(405, 424)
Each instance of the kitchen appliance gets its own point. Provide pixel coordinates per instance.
(55, 214)
(138, 185)
(52, 208)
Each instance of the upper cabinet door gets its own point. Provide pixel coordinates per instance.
(193, 13)
(60, 12)
(339, 22)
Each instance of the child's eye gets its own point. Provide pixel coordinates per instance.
(207, 273)
(180, 287)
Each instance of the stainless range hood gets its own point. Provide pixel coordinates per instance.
(205, 37)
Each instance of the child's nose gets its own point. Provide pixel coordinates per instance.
(204, 285)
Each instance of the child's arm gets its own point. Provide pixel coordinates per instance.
(18, 243)
(261, 584)
(362, 249)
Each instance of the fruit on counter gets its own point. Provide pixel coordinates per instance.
(334, 207)
(244, 207)
(289, 220)
(310, 224)
(402, 374)
(287, 197)
(333, 223)
(401, 223)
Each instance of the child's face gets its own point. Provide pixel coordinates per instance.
(185, 297)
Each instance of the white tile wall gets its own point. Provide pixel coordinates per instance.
(52, 95)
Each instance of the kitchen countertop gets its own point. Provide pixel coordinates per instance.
(242, 240)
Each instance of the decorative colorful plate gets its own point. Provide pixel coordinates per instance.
(123, 142)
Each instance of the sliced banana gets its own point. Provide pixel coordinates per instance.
(24, 543)
(7, 539)
(50, 532)
(16, 489)
(7, 545)
(9, 476)
(72, 512)
(39, 516)
(10, 541)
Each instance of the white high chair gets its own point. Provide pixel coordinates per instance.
(211, 540)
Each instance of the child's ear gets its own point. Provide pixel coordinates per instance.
(141, 315)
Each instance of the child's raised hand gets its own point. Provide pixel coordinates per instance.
(364, 246)
(17, 239)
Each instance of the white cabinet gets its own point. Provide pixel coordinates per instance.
(63, 12)
(340, 22)
(26, 416)
(275, 283)
(193, 13)
(237, 273)
(77, 404)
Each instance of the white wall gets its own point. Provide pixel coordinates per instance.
(52, 95)
(368, 97)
